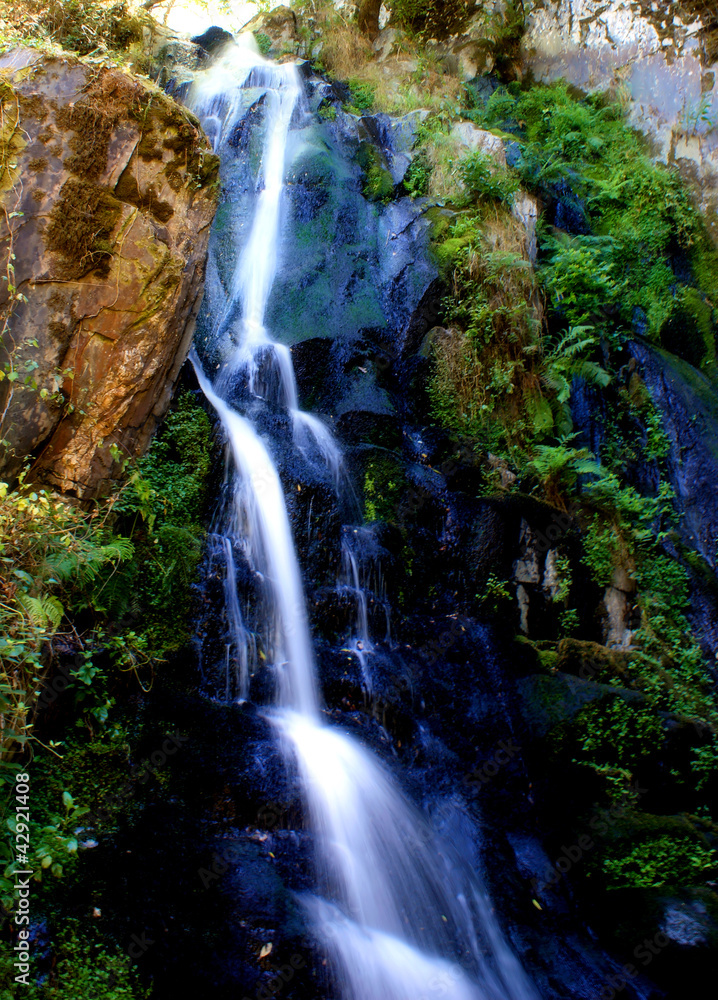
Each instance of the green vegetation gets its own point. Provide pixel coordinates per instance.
(666, 859)
(93, 599)
(613, 736)
(264, 42)
(383, 484)
(361, 97)
(87, 967)
(627, 254)
(378, 182)
(630, 220)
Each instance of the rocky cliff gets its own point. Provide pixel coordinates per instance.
(108, 191)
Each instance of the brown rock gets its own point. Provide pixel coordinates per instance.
(280, 26)
(115, 187)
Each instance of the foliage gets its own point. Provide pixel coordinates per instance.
(416, 178)
(78, 25)
(661, 860)
(581, 279)
(264, 42)
(54, 558)
(361, 96)
(133, 553)
(580, 152)
(484, 178)
(162, 506)
(86, 966)
(558, 467)
(564, 359)
(612, 733)
(496, 594)
(382, 490)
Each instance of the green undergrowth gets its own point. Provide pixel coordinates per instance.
(622, 253)
(93, 600)
(86, 966)
(638, 256)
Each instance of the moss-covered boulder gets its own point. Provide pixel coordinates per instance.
(108, 192)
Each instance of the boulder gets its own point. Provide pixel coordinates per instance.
(213, 40)
(477, 139)
(108, 194)
(280, 27)
(663, 57)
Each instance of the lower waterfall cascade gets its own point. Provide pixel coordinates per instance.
(398, 912)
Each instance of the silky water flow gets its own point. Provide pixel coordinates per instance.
(397, 912)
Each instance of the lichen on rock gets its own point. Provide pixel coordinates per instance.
(109, 230)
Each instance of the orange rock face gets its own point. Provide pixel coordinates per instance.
(108, 189)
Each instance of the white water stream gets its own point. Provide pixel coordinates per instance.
(398, 916)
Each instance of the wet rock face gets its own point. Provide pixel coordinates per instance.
(664, 55)
(114, 186)
(689, 410)
(354, 279)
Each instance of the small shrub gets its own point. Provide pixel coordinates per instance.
(264, 42)
(664, 860)
(484, 178)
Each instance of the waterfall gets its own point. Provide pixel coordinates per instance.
(398, 912)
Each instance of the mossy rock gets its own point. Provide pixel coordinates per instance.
(644, 851)
(378, 182)
(591, 661)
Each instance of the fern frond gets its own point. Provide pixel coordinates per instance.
(44, 612)
(592, 373)
(558, 383)
(32, 606)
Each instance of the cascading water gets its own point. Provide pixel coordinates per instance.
(398, 912)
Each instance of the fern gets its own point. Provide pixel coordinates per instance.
(83, 562)
(44, 612)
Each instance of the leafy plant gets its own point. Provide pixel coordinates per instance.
(264, 42)
(484, 178)
(657, 861)
(558, 467)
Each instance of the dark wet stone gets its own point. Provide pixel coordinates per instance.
(213, 39)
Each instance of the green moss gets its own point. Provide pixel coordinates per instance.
(663, 859)
(94, 771)
(80, 228)
(383, 489)
(86, 966)
(378, 182)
